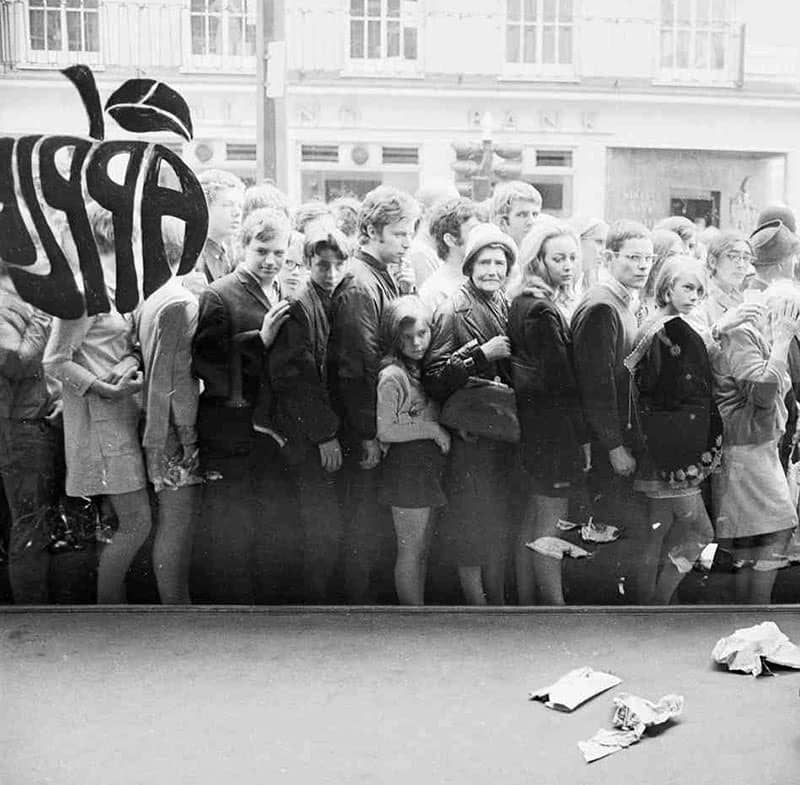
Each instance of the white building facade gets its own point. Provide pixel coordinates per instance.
(635, 108)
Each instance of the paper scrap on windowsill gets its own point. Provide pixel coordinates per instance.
(632, 717)
(575, 688)
(591, 531)
(557, 548)
(749, 647)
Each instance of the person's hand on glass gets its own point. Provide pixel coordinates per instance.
(787, 321)
(273, 320)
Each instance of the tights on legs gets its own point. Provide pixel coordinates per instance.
(133, 513)
(172, 549)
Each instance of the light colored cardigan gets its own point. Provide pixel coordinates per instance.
(404, 411)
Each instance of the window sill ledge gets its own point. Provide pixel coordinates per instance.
(28, 66)
(537, 76)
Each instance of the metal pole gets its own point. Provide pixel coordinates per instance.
(261, 87)
(272, 108)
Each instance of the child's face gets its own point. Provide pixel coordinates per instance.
(414, 340)
(265, 259)
(294, 272)
(327, 269)
(489, 269)
(685, 294)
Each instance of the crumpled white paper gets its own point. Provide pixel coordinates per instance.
(748, 647)
(575, 688)
(591, 531)
(557, 548)
(632, 717)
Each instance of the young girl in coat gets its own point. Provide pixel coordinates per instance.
(681, 427)
(416, 444)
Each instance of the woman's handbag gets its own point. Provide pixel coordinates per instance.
(483, 408)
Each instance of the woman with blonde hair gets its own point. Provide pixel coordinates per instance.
(680, 424)
(554, 440)
(666, 245)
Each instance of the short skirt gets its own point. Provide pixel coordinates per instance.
(751, 493)
(411, 475)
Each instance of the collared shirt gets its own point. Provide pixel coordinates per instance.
(621, 292)
(214, 260)
(271, 291)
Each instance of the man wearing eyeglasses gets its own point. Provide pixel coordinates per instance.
(604, 330)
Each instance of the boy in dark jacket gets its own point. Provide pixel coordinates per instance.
(603, 333)
(386, 226)
(301, 408)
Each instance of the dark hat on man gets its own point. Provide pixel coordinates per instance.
(778, 212)
(773, 242)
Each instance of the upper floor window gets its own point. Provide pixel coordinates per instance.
(696, 39)
(540, 35)
(223, 30)
(384, 30)
(58, 27)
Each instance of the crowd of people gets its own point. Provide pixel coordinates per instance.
(410, 370)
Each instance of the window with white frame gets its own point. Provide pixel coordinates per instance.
(60, 29)
(696, 38)
(540, 35)
(384, 31)
(223, 31)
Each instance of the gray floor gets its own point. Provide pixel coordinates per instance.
(162, 696)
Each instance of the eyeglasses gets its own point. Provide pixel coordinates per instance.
(291, 264)
(740, 257)
(637, 258)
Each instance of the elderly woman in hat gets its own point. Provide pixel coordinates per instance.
(469, 343)
(754, 511)
(554, 439)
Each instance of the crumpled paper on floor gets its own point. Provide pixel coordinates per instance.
(557, 548)
(632, 717)
(575, 688)
(591, 531)
(748, 648)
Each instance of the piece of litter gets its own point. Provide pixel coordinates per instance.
(621, 586)
(656, 525)
(557, 548)
(575, 688)
(707, 555)
(748, 648)
(566, 526)
(599, 532)
(632, 717)
(591, 531)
